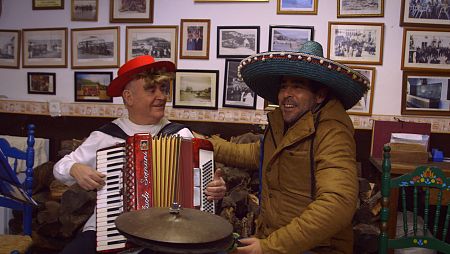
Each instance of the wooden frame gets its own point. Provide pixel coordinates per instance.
(48, 4)
(10, 48)
(236, 93)
(41, 83)
(161, 42)
(44, 47)
(368, 38)
(360, 8)
(364, 106)
(86, 10)
(194, 38)
(237, 41)
(425, 93)
(196, 89)
(426, 14)
(119, 13)
(95, 47)
(426, 49)
(290, 7)
(289, 38)
(91, 86)
(215, 1)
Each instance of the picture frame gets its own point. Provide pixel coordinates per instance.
(84, 10)
(426, 49)
(10, 48)
(161, 42)
(41, 83)
(196, 89)
(237, 41)
(368, 38)
(47, 4)
(360, 8)
(95, 47)
(91, 86)
(289, 38)
(236, 94)
(425, 14)
(44, 48)
(215, 1)
(364, 106)
(425, 93)
(297, 7)
(194, 38)
(131, 11)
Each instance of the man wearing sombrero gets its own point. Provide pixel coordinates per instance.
(308, 166)
(144, 86)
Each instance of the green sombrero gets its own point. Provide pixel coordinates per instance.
(263, 72)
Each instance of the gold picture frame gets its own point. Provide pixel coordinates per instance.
(297, 8)
(194, 38)
(120, 12)
(48, 4)
(85, 10)
(364, 106)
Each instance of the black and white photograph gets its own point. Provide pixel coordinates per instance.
(426, 93)
(364, 106)
(297, 6)
(91, 86)
(431, 13)
(41, 83)
(236, 93)
(45, 47)
(237, 41)
(95, 47)
(196, 89)
(356, 43)
(131, 11)
(9, 48)
(289, 38)
(84, 10)
(426, 49)
(194, 38)
(158, 41)
(360, 8)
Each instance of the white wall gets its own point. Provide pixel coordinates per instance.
(17, 14)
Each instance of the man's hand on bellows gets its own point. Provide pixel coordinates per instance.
(216, 189)
(87, 177)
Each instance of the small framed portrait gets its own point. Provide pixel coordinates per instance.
(236, 93)
(360, 8)
(48, 4)
(364, 106)
(297, 7)
(356, 43)
(425, 13)
(95, 47)
(237, 41)
(196, 89)
(426, 93)
(194, 36)
(84, 10)
(426, 49)
(289, 38)
(131, 11)
(161, 42)
(41, 83)
(9, 48)
(44, 47)
(91, 86)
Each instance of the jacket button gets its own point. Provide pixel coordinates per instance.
(270, 195)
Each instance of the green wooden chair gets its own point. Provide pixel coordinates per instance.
(417, 184)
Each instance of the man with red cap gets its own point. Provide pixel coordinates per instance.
(144, 85)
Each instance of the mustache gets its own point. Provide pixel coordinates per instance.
(289, 100)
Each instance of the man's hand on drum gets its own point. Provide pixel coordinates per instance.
(216, 189)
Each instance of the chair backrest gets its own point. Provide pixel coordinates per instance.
(27, 185)
(414, 191)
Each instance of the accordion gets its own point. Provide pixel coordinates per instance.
(148, 172)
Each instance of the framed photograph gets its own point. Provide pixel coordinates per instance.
(9, 48)
(212, 1)
(426, 49)
(237, 41)
(48, 4)
(364, 106)
(84, 10)
(356, 43)
(91, 86)
(425, 13)
(41, 83)
(161, 42)
(426, 93)
(360, 8)
(195, 38)
(95, 47)
(44, 47)
(196, 89)
(297, 7)
(289, 38)
(236, 93)
(131, 11)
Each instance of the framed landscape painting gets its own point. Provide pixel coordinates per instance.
(91, 86)
(44, 47)
(360, 8)
(237, 41)
(425, 13)
(194, 38)
(289, 38)
(131, 11)
(196, 89)
(364, 106)
(9, 48)
(41, 83)
(236, 93)
(297, 6)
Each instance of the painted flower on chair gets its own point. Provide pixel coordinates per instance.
(427, 177)
(420, 242)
